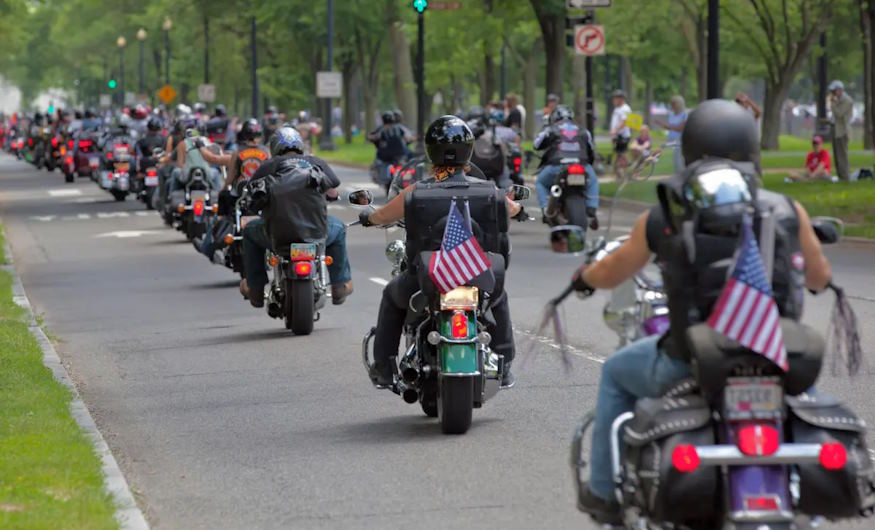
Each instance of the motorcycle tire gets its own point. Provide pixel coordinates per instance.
(68, 178)
(119, 195)
(428, 400)
(299, 306)
(455, 404)
(50, 167)
(575, 210)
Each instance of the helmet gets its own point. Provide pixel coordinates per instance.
(449, 142)
(618, 94)
(182, 110)
(303, 116)
(250, 130)
(399, 116)
(719, 128)
(552, 97)
(271, 109)
(220, 110)
(560, 113)
(90, 114)
(200, 108)
(154, 124)
(140, 112)
(286, 139)
(388, 118)
(497, 115)
(77, 114)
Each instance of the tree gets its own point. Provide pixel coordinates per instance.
(694, 27)
(551, 18)
(405, 87)
(782, 35)
(867, 26)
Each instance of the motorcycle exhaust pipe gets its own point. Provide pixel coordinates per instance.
(409, 394)
(410, 375)
(556, 191)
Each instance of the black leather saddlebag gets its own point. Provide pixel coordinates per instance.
(654, 485)
(845, 492)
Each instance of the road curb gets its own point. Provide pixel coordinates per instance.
(127, 513)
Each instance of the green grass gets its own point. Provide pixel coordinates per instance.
(49, 475)
(358, 152)
(850, 201)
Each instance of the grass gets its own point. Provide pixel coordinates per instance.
(49, 475)
(359, 152)
(850, 201)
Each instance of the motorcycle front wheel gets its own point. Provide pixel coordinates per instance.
(455, 403)
(299, 306)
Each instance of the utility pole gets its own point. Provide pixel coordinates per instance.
(420, 82)
(166, 26)
(821, 85)
(254, 64)
(327, 142)
(590, 103)
(141, 37)
(713, 49)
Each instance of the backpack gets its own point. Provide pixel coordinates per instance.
(488, 156)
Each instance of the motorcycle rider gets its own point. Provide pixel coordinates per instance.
(270, 122)
(492, 139)
(286, 147)
(564, 139)
(217, 126)
(148, 143)
(449, 143)
(719, 135)
(391, 141)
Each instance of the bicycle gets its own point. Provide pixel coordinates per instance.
(644, 167)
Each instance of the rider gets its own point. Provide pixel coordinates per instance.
(148, 143)
(491, 144)
(270, 122)
(700, 210)
(217, 126)
(449, 144)
(287, 149)
(391, 141)
(564, 139)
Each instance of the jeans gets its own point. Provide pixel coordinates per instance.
(215, 180)
(548, 175)
(256, 241)
(636, 371)
(678, 159)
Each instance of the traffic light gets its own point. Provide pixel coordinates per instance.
(51, 109)
(111, 84)
(420, 5)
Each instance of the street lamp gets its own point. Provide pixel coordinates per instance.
(141, 36)
(121, 43)
(166, 26)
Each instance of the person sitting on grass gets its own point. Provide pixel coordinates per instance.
(817, 164)
(639, 148)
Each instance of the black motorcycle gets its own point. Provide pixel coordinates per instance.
(567, 204)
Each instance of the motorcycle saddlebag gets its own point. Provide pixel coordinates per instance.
(651, 482)
(845, 492)
(296, 211)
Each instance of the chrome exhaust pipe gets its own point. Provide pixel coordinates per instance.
(556, 191)
(410, 375)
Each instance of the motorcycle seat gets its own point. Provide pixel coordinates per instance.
(486, 282)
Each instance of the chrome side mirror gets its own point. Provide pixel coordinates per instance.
(828, 229)
(518, 193)
(361, 198)
(568, 239)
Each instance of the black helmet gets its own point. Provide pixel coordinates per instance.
(77, 114)
(388, 118)
(286, 139)
(154, 124)
(722, 129)
(561, 112)
(449, 142)
(220, 110)
(250, 130)
(399, 116)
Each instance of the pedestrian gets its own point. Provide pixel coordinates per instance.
(677, 118)
(620, 132)
(842, 107)
(817, 164)
(514, 118)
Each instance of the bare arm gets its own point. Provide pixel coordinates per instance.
(180, 154)
(391, 212)
(817, 269)
(623, 263)
(213, 158)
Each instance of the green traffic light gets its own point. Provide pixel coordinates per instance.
(51, 109)
(111, 83)
(420, 5)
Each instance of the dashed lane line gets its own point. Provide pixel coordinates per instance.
(63, 192)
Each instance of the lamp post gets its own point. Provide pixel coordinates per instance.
(121, 42)
(166, 26)
(141, 36)
(327, 141)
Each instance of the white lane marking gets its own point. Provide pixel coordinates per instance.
(87, 216)
(110, 215)
(43, 218)
(86, 200)
(379, 281)
(124, 234)
(63, 192)
(83, 216)
(145, 213)
(547, 341)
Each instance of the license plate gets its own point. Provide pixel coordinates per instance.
(576, 180)
(302, 251)
(752, 397)
(122, 166)
(93, 163)
(151, 181)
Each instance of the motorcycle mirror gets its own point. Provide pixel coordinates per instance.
(361, 198)
(828, 229)
(518, 193)
(568, 239)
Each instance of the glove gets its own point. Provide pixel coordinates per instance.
(580, 285)
(365, 217)
(594, 223)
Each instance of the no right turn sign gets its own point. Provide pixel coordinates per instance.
(589, 39)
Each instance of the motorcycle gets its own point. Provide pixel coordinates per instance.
(383, 173)
(568, 195)
(86, 155)
(116, 167)
(190, 206)
(739, 445)
(448, 367)
(147, 180)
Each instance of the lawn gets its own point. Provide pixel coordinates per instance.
(853, 202)
(50, 476)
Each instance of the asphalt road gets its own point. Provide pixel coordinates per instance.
(220, 418)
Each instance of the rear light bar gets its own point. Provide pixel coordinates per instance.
(85, 144)
(459, 325)
(832, 455)
(765, 503)
(151, 172)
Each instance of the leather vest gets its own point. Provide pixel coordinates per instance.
(248, 159)
(693, 286)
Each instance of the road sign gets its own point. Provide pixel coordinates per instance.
(206, 93)
(166, 94)
(329, 84)
(586, 4)
(446, 6)
(589, 40)
(130, 98)
(105, 100)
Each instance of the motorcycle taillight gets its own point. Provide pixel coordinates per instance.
(459, 325)
(517, 163)
(576, 169)
(30, 142)
(758, 440)
(55, 142)
(84, 144)
(303, 268)
(764, 503)
(198, 208)
(70, 144)
(151, 172)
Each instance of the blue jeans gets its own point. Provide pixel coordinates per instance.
(636, 371)
(256, 241)
(215, 180)
(548, 175)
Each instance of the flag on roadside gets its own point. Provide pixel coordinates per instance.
(460, 258)
(746, 311)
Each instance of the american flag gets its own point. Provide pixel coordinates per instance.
(460, 258)
(746, 311)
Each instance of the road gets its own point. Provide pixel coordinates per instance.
(221, 419)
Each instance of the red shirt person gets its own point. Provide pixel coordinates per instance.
(818, 164)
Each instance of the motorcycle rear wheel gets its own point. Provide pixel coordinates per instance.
(299, 306)
(68, 177)
(455, 404)
(119, 195)
(575, 210)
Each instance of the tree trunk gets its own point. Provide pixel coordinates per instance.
(870, 93)
(488, 89)
(702, 66)
(682, 83)
(405, 84)
(530, 73)
(776, 94)
(628, 79)
(552, 24)
(351, 89)
(866, 33)
(578, 86)
(648, 100)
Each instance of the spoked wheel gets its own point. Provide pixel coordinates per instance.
(299, 306)
(455, 403)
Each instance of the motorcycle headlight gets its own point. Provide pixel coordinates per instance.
(396, 251)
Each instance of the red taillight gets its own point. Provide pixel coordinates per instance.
(303, 268)
(684, 458)
(69, 160)
(758, 440)
(833, 455)
(109, 155)
(30, 142)
(576, 169)
(762, 504)
(151, 172)
(55, 142)
(198, 207)
(517, 164)
(85, 144)
(459, 325)
(121, 147)
(70, 144)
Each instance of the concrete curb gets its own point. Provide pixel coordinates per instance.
(127, 513)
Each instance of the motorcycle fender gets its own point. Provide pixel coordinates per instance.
(456, 358)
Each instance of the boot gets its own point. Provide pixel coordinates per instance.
(340, 291)
(255, 296)
(601, 510)
(383, 373)
(507, 378)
